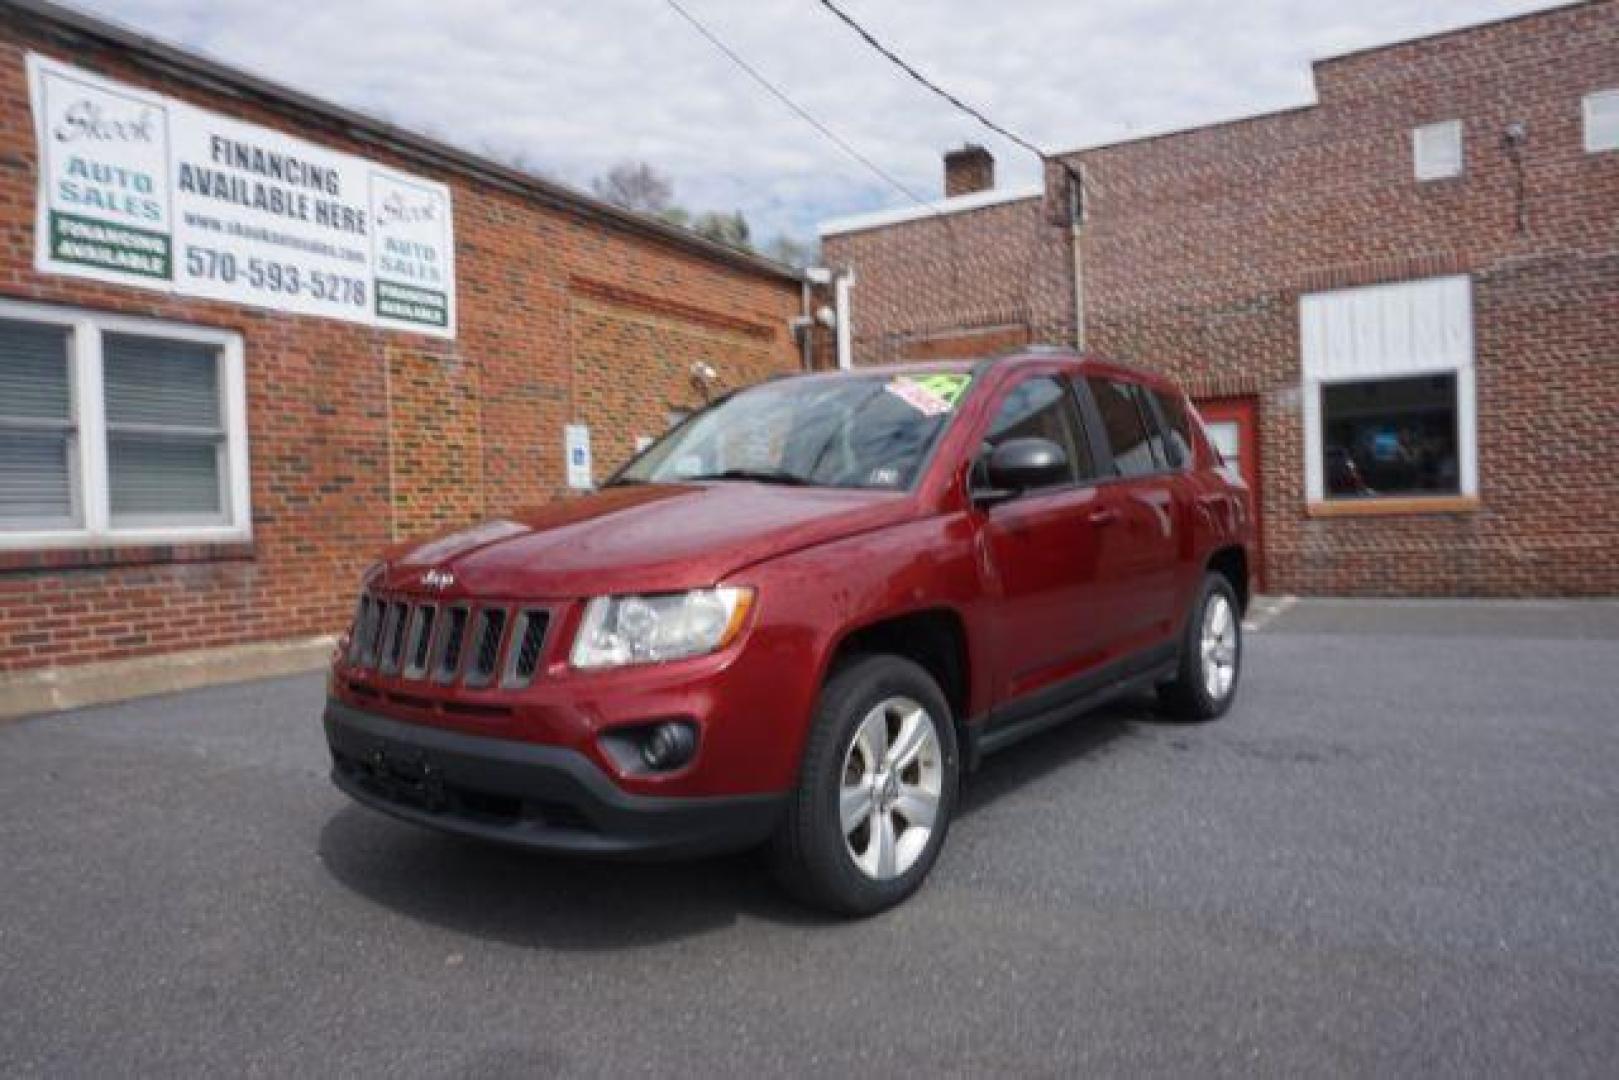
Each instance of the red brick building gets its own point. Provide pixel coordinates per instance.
(180, 471)
(1399, 304)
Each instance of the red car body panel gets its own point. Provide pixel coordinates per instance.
(647, 538)
(1044, 588)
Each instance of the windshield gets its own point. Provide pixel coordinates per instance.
(854, 431)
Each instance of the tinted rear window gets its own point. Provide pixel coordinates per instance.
(1179, 435)
(1128, 435)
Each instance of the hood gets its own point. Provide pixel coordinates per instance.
(643, 538)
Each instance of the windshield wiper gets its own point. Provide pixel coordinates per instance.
(763, 476)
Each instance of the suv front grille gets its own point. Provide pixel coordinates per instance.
(462, 642)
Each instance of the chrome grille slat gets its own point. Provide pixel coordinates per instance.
(373, 632)
(486, 641)
(360, 629)
(528, 640)
(447, 662)
(393, 636)
(420, 640)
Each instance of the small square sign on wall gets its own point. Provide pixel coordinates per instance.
(576, 440)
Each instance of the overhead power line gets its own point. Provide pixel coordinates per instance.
(802, 113)
(900, 62)
(1076, 181)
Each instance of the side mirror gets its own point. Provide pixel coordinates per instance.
(1017, 465)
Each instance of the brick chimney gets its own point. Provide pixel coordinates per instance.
(970, 169)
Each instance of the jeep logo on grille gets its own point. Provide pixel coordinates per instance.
(438, 579)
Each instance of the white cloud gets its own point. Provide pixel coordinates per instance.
(574, 87)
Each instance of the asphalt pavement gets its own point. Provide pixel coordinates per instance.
(1398, 855)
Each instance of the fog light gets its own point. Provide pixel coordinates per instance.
(668, 746)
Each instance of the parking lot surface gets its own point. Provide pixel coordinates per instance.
(1399, 854)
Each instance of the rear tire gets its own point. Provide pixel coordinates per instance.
(876, 789)
(1210, 655)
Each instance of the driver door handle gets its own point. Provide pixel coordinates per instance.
(1104, 516)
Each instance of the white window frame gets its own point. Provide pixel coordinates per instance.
(92, 498)
(1607, 100)
(1321, 367)
(1427, 140)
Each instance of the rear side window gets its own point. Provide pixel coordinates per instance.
(1041, 408)
(1129, 435)
(1179, 436)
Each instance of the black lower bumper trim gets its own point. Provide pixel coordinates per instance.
(544, 797)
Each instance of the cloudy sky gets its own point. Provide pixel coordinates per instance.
(568, 87)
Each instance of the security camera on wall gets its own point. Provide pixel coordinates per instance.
(704, 372)
(826, 316)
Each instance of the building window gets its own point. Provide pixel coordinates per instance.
(38, 438)
(119, 430)
(1390, 437)
(1602, 121)
(1389, 409)
(1437, 150)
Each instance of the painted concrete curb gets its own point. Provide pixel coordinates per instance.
(29, 693)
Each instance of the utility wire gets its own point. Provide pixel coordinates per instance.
(798, 109)
(1075, 179)
(929, 83)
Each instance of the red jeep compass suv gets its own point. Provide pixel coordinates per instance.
(801, 617)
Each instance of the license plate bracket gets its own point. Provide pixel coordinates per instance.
(407, 775)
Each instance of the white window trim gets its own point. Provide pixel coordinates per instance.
(93, 499)
(1422, 160)
(1466, 408)
(1588, 108)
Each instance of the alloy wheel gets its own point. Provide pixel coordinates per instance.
(1218, 647)
(892, 780)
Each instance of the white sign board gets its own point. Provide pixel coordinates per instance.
(576, 442)
(140, 189)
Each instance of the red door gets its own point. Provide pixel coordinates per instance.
(1233, 427)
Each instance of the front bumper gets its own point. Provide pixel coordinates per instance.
(549, 798)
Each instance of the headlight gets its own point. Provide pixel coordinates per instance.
(619, 630)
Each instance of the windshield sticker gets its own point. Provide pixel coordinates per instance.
(930, 395)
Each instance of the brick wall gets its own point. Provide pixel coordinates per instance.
(958, 285)
(1197, 246)
(361, 436)
(667, 339)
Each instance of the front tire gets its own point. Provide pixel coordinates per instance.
(876, 789)
(1210, 655)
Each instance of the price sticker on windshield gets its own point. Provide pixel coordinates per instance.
(930, 395)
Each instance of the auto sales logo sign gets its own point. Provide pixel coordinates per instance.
(140, 189)
(104, 154)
